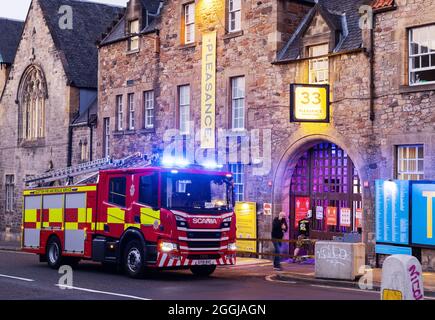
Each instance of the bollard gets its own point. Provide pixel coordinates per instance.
(402, 278)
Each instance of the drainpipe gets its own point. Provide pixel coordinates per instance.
(372, 69)
(70, 138)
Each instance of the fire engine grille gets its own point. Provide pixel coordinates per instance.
(204, 244)
(204, 235)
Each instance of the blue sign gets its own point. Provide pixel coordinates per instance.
(423, 203)
(392, 212)
(386, 249)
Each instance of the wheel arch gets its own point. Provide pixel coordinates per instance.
(129, 235)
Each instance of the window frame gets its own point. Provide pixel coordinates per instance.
(189, 25)
(133, 35)
(182, 114)
(131, 111)
(318, 59)
(238, 172)
(106, 137)
(119, 113)
(149, 99)
(155, 188)
(110, 192)
(237, 16)
(430, 54)
(9, 192)
(235, 98)
(407, 174)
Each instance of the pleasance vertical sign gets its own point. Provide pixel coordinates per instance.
(208, 91)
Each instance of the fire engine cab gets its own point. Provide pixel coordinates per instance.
(138, 218)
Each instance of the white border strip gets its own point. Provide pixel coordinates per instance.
(16, 278)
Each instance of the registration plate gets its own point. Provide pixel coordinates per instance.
(202, 262)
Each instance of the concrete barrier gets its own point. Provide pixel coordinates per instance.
(339, 260)
(402, 278)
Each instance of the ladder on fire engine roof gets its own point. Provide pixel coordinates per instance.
(92, 168)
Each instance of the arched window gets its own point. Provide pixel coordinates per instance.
(32, 95)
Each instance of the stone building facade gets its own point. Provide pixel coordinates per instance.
(270, 51)
(49, 104)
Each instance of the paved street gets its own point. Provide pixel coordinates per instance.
(23, 277)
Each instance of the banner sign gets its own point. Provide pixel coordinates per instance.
(246, 223)
(423, 202)
(301, 209)
(345, 217)
(267, 209)
(208, 91)
(309, 103)
(358, 217)
(392, 212)
(331, 216)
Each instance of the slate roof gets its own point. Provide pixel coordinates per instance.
(344, 17)
(79, 45)
(150, 8)
(10, 35)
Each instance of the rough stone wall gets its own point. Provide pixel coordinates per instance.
(4, 72)
(404, 114)
(35, 48)
(82, 134)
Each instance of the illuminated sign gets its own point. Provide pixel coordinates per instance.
(208, 91)
(246, 223)
(309, 103)
(423, 202)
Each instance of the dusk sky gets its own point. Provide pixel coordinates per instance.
(17, 9)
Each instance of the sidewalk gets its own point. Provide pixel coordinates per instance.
(10, 245)
(306, 273)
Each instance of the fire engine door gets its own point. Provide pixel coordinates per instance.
(77, 219)
(32, 221)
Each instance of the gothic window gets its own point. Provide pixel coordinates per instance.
(32, 95)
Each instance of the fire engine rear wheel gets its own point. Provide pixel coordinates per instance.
(134, 259)
(54, 253)
(203, 271)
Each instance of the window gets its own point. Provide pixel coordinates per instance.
(10, 190)
(32, 96)
(237, 170)
(106, 137)
(148, 190)
(319, 67)
(238, 103)
(234, 15)
(119, 112)
(117, 191)
(149, 109)
(410, 161)
(184, 108)
(189, 23)
(131, 111)
(84, 154)
(422, 55)
(133, 29)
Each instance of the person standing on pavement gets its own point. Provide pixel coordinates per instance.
(279, 228)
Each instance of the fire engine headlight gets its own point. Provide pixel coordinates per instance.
(226, 223)
(168, 246)
(181, 222)
(232, 247)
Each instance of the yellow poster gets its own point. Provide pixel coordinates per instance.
(208, 91)
(246, 217)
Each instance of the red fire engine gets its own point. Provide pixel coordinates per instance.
(137, 218)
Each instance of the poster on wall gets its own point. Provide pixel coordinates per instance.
(358, 217)
(423, 209)
(331, 216)
(319, 213)
(246, 223)
(345, 217)
(267, 209)
(392, 212)
(301, 209)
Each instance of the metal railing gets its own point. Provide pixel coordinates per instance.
(307, 244)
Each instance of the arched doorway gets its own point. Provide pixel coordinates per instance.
(325, 178)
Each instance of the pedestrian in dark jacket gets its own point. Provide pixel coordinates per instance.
(279, 228)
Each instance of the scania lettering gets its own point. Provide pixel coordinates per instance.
(138, 218)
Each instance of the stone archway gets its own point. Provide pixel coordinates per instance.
(289, 159)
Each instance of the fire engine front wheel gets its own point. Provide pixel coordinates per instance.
(203, 271)
(134, 259)
(54, 253)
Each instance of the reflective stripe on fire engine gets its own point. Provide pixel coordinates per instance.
(149, 216)
(115, 215)
(71, 225)
(55, 215)
(188, 239)
(31, 215)
(203, 230)
(59, 190)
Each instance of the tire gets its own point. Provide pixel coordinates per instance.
(203, 271)
(134, 259)
(54, 253)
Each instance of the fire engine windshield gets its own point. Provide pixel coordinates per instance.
(197, 193)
